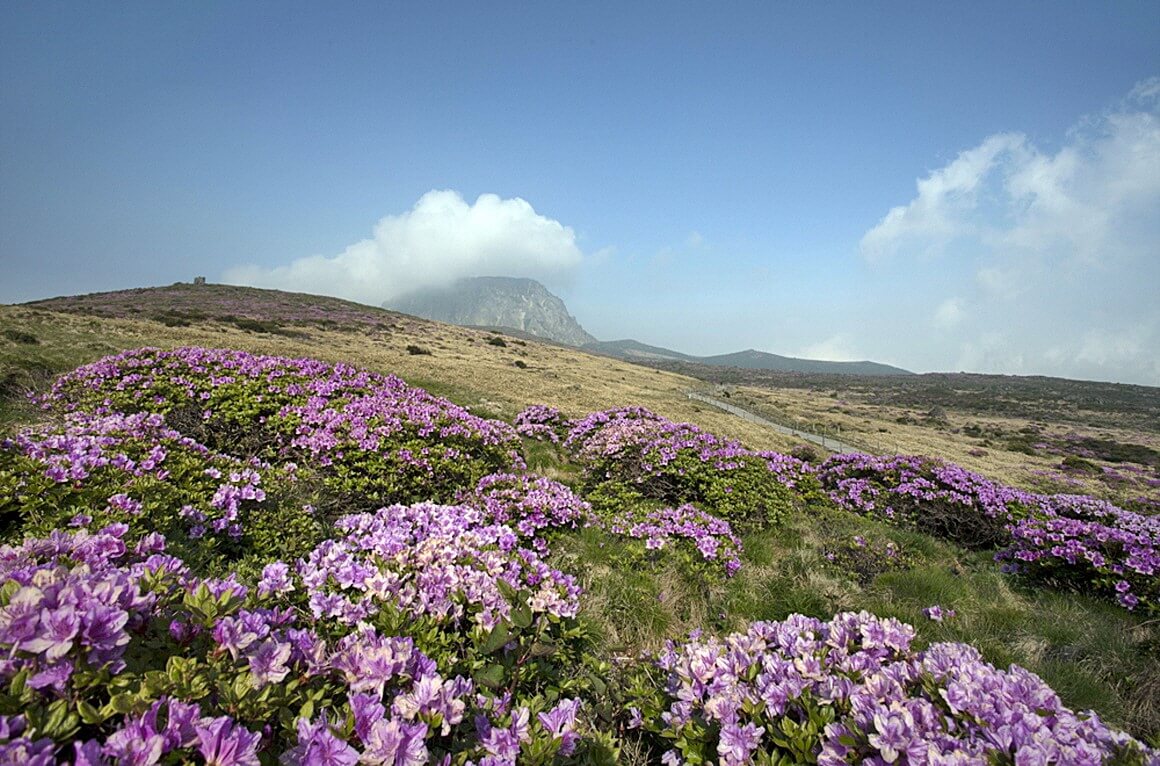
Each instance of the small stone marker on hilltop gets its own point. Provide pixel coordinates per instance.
(199, 280)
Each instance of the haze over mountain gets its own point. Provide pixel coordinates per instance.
(526, 305)
(518, 303)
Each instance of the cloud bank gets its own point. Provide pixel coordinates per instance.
(1039, 260)
(439, 240)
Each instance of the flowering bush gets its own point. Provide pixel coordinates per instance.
(712, 538)
(91, 471)
(540, 421)
(852, 690)
(678, 463)
(121, 655)
(1084, 543)
(426, 559)
(938, 498)
(374, 439)
(533, 506)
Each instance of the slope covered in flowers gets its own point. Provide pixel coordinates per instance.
(219, 557)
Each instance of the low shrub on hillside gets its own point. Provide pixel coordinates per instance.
(938, 498)
(678, 463)
(534, 506)
(1085, 544)
(853, 691)
(21, 336)
(542, 422)
(120, 654)
(92, 471)
(373, 439)
(865, 559)
(697, 537)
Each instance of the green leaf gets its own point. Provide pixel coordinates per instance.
(243, 685)
(123, 703)
(495, 640)
(61, 722)
(491, 676)
(88, 713)
(597, 683)
(19, 683)
(522, 616)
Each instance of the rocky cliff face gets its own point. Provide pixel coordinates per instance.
(522, 304)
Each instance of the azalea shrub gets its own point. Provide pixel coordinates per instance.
(536, 507)
(938, 498)
(1082, 543)
(696, 537)
(118, 654)
(678, 463)
(373, 439)
(95, 470)
(542, 422)
(853, 690)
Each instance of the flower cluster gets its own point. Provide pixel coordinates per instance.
(531, 505)
(68, 607)
(426, 559)
(95, 470)
(540, 421)
(793, 472)
(852, 690)
(711, 537)
(1089, 543)
(376, 439)
(143, 740)
(678, 463)
(939, 498)
(214, 663)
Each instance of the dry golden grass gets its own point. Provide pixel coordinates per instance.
(876, 428)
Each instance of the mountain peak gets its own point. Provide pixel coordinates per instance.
(519, 303)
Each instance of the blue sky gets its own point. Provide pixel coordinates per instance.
(968, 186)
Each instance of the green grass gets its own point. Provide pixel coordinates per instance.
(1094, 654)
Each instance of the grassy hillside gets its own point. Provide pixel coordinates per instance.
(447, 359)
(648, 530)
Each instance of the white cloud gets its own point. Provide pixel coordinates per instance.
(439, 240)
(836, 348)
(950, 312)
(935, 217)
(1056, 251)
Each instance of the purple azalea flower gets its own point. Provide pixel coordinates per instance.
(560, 722)
(222, 742)
(268, 662)
(738, 743)
(318, 746)
(396, 742)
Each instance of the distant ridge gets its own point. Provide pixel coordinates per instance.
(749, 359)
(505, 302)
